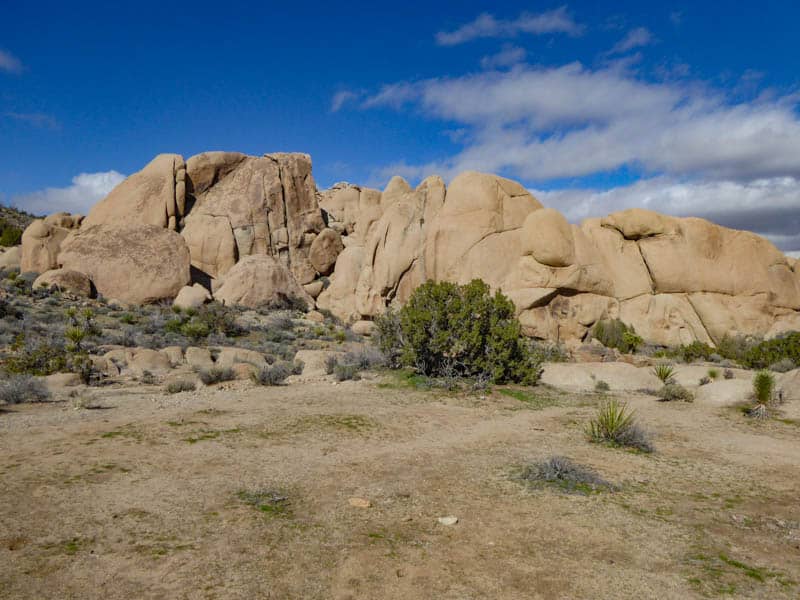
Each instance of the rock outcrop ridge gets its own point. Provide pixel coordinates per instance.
(255, 229)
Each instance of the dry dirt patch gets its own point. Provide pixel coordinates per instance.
(244, 492)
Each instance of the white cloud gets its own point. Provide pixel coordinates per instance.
(341, 98)
(542, 123)
(85, 191)
(40, 120)
(9, 63)
(770, 207)
(635, 38)
(487, 26)
(507, 57)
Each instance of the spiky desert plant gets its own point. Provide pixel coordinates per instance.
(763, 388)
(664, 371)
(616, 425)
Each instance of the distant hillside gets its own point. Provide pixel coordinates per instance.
(12, 223)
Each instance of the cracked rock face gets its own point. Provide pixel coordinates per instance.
(255, 228)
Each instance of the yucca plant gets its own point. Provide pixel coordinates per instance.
(713, 373)
(763, 388)
(616, 425)
(665, 372)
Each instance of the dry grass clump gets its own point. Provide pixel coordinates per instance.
(182, 385)
(675, 391)
(566, 475)
(22, 388)
(216, 375)
(274, 374)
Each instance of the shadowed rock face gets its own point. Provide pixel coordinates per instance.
(360, 250)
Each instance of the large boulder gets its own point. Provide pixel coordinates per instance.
(65, 280)
(211, 244)
(10, 257)
(260, 280)
(137, 265)
(41, 243)
(548, 238)
(324, 251)
(156, 195)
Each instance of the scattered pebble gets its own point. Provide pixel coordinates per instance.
(360, 502)
(448, 520)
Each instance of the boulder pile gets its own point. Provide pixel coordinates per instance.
(254, 230)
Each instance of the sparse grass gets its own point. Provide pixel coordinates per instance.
(270, 502)
(531, 400)
(563, 474)
(615, 425)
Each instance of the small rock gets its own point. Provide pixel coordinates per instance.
(315, 316)
(360, 502)
(448, 520)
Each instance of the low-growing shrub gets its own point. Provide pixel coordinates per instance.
(22, 388)
(728, 374)
(297, 367)
(181, 385)
(783, 366)
(674, 391)
(566, 475)
(346, 372)
(705, 380)
(147, 378)
(42, 357)
(447, 330)
(665, 372)
(330, 364)
(214, 375)
(366, 357)
(614, 424)
(274, 374)
(613, 333)
(713, 373)
(601, 386)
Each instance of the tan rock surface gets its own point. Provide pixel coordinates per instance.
(134, 264)
(259, 280)
(71, 282)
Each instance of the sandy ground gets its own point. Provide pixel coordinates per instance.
(145, 497)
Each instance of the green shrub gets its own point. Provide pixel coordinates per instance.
(36, 358)
(195, 330)
(447, 330)
(601, 387)
(696, 351)
(665, 372)
(216, 375)
(182, 385)
(768, 352)
(763, 386)
(675, 391)
(10, 235)
(616, 425)
(713, 373)
(614, 333)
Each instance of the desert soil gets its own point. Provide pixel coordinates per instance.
(149, 495)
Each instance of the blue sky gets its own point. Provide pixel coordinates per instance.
(681, 107)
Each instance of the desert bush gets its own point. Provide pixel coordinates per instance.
(181, 385)
(22, 388)
(346, 372)
(728, 374)
(674, 391)
(217, 318)
(763, 391)
(613, 333)
(42, 357)
(10, 234)
(566, 475)
(297, 367)
(366, 357)
(783, 347)
(214, 375)
(665, 372)
(445, 329)
(147, 378)
(601, 387)
(695, 351)
(194, 330)
(705, 380)
(273, 374)
(614, 424)
(713, 373)
(330, 364)
(782, 366)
